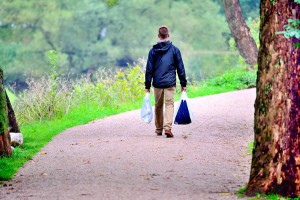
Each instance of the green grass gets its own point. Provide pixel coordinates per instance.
(38, 134)
(264, 197)
(11, 96)
(241, 193)
(250, 147)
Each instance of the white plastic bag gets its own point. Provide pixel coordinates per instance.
(183, 114)
(146, 112)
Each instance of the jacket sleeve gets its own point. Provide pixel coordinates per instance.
(180, 68)
(149, 71)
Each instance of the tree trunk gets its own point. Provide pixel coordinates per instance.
(276, 156)
(240, 32)
(5, 148)
(13, 124)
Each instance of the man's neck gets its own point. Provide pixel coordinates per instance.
(163, 40)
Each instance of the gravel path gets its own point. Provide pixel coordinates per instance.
(119, 157)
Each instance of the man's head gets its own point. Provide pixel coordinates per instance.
(163, 33)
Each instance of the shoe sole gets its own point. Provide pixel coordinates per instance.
(169, 135)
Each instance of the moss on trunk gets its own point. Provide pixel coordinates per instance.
(5, 148)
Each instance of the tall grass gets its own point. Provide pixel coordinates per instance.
(52, 104)
(49, 99)
(11, 96)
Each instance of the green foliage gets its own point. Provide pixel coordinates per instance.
(52, 57)
(112, 3)
(236, 78)
(297, 1)
(3, 113)
(292, 29)
(88, 35)
(48, 98)
(44, 99)
(254, 25)
(273, 2)
(250, 8)
(241, 192)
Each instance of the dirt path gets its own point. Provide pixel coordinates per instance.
(119, 157)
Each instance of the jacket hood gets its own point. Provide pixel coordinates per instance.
(162, 46)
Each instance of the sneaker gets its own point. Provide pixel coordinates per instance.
(158, 133)
(169, 133)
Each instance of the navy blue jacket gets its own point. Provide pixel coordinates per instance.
(164, 60)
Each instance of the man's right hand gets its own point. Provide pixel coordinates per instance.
(147, 90)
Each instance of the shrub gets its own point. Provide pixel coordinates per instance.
(45, 98)
(51, 98)
(237, 78)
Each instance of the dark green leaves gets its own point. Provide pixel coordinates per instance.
(111, 3)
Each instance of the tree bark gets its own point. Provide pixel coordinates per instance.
(5, 148)
(13, 124)
(240, 32)
(275, 164)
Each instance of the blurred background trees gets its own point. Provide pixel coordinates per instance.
(92, 34)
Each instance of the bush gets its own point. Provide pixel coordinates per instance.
(237, 79)
(44, 99)
(51, 97)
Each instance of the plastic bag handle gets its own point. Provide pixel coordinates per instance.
(184, 95)
(147, 95)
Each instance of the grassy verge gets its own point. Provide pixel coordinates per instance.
(38, 134)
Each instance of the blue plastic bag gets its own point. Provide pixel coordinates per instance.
(146, 111)
(183, 114)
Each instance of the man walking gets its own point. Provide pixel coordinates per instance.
(164, 60)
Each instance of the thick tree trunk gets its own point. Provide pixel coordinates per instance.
(240, 32)
(5, 148)
(13, 124)
(276, 156)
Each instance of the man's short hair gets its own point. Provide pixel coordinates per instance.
(163, 32)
